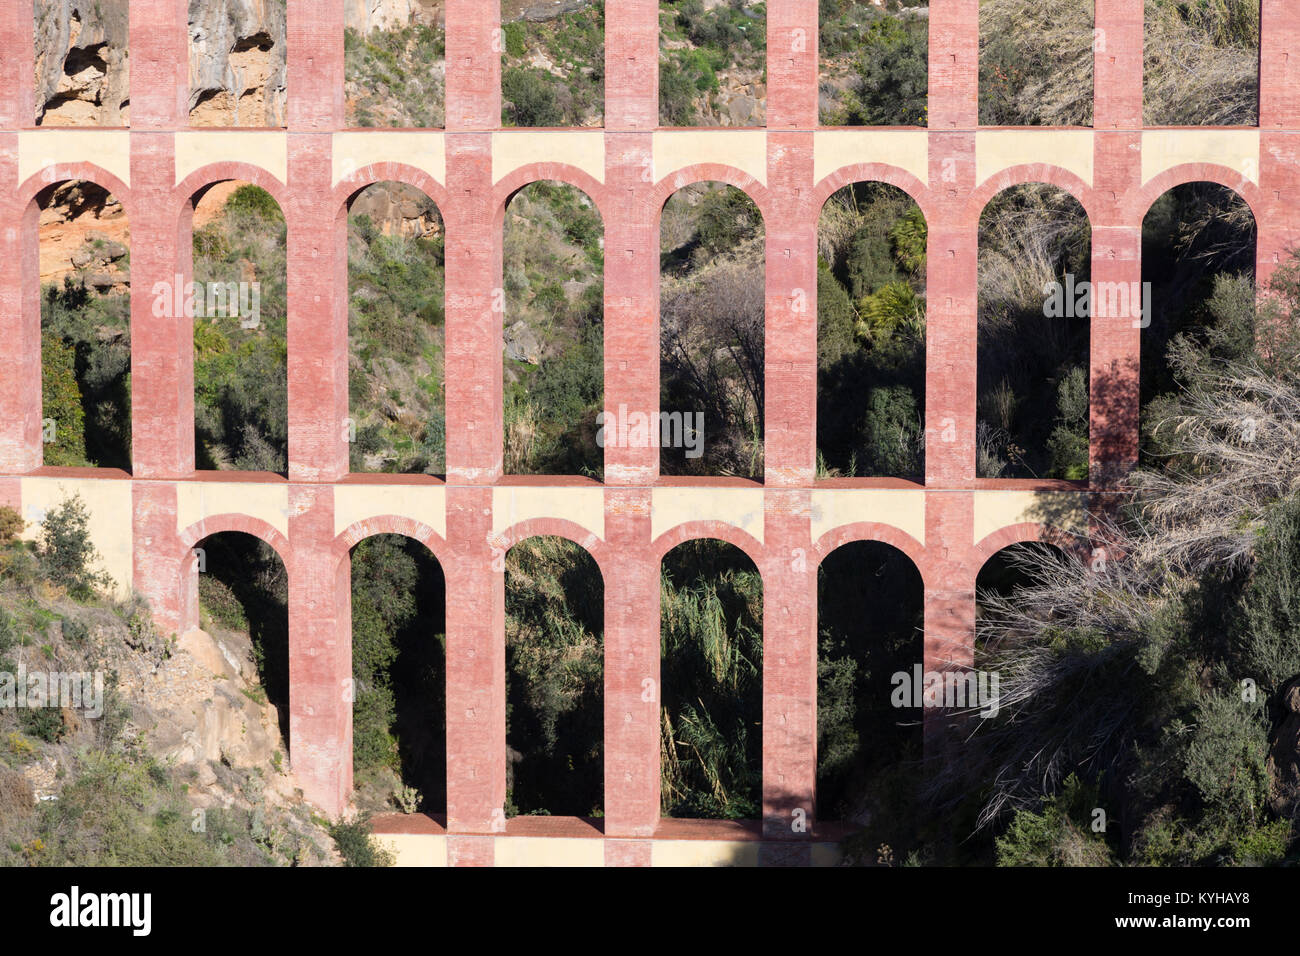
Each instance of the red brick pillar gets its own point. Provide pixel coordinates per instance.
(160, 564)
(474, 47)
(162, 338)
(791, 64)
(1279, 109)
(1117, 64)
(1116, 353)
(631, 318)
(18, 66)
(159, 64)
(476, 677)
(952, 305)
(1279, 65)
(954, 64)
(633, 691)
(789, 667)
(318, 314)
(790, 429)
(790, 328)
(632, 65)
(20, 321)
(1277, 229)
(315, 65)
(949, 572)
(320, 652)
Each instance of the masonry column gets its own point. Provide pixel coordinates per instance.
(20, 321)
(631, 319)
(1279, 154)
(18, 66)
(789, 668)
(160, 66)
(954, 64)
(952, 313)
(159, 559)
(1117, 64)
(162, 339)
(633, 684)
(315, 65)
(318, 314)
(320, 651)
(1116, 327)
(949, 571)
(476, 698)
(1279, 65)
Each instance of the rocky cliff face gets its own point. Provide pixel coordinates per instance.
(237, 62)
(82, 74)
(365, 16)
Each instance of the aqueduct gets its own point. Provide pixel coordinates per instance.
(145, 523)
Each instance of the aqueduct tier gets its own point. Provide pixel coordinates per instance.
(146, 523)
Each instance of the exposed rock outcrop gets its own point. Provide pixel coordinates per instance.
(238, 62)
(399, 210)
(365, 16)
(82, 70)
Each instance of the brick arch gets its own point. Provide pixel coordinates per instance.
(358, 531)
(894, 176)
(198, 182)
(1025, 532)
(589, 541)
(708, 173)
(504, 190)
(875, 531)
(221, 523)
(1032, 173)
(1186, 173)
(56, 173)
(372, 174)
(750, 546)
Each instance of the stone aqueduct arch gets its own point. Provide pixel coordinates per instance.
(146, 522)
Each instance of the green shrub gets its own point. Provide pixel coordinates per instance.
(356, 846)
(66, 551)
(1059, 834)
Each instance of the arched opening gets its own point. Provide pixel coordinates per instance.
(554, 371)
(238, 64)
(243, 602)
(1035, 247)
(870, 612)
(1198, 256)
(241, 378)
(396, 321)
(1201, 63)
(555, 679)
(1036, 63)
(394, 66)
(712, 63)
(711, 671)
(83, 74)
(871, 273)
(85, 296)
(399, 671)
(874, 62)
(711, 333)
(553, 64)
